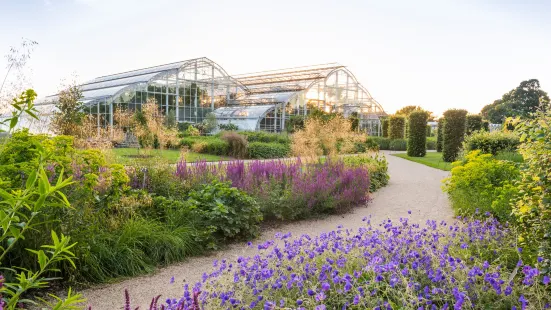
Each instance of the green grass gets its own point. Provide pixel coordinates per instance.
(432, 159)
(128, 155)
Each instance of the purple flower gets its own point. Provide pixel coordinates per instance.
(546, 280)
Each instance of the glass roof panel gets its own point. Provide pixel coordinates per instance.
(242, 112)
(122, 81)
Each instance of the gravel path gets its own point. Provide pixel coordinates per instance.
(412, 187)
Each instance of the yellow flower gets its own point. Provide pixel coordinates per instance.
(524, 209)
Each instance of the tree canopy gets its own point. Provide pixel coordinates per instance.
(407, 110)
(522, 101)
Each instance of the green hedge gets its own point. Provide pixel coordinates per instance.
(431, 143)
(491, 142)
(439, 135)
(208, 145)
(417, 138)
(383, 143)
(396, 126)
(454, 133)
(474, 123)
(398, 145)
(266, 137)
(263, 150)
(385, 123)
(429, 129)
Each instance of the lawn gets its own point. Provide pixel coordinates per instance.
(432, 159)
(130, 155)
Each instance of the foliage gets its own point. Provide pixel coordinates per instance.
(230, 210)
(209, 124)
(474, 123)
(431, 143)
(491, 142)
(237, 144)
(453, 133)
(209, 145)
(407, 110)
(533, 207)
(398, 145)
(354, 121)
(262, 150)
(481, 183)
(170, 119)
(525, 99)
(396, 126)
(397, 265)
(322, 136)
(267, 137)
(368, 145)
(384, 123)
(22, 105)
(440, 135)
(295, 122)
(228, 127)
(182, 127)
(417, 138)
(149, 126)
(383, 143)
(428, 130)
(376, 165)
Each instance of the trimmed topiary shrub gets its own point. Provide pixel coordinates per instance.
(398, 145)
(454, 133)
(417, 139)
(384, 124)
(396, 126)
(474, 123)
(491, 142)
(486, 125)
(384, 143)
(263, 150)
(431, 143)
(439, 136)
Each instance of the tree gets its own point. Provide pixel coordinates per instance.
(417, 139)
(406, 111)
(454, 133)
(525, 99)
(396, 126)
(474, 123)
(68, 118)
(440, 135)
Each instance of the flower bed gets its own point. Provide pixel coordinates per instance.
(469, 264)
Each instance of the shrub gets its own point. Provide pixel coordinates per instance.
(228, 127)
(396, 126)
(472, 264)
(383, 143)
(417, 139)
(261, 150)
(474, 123)
(266, 137)
(533, 208)
(428, 131)
(491, 142)
(377, 167)
(366, 146)
(295, 122)
(237, 144)
(431, 143)
(398, 145)
(454, 133)
(208, 145)
(384, 124)
(440, 135)
(231, 211)
(482, 183)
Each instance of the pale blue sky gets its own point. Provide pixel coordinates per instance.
(437, 54)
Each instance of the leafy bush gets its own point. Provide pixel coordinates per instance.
(266, 137)
(231, 211)
(482, 183)
(474, 123)
(368, 145)
(431, 143)
(237, 144)
(396, 126)
(206, 145)
(398, 145)
(384, 123)
(471, 264)
(261, 150)
(440, 135)
(417, 138)
(533, 208)
(491, 142)
(377, 167)
(383, 143)
(453, 133)
(228, 127)
(428, 130)
(295, 122)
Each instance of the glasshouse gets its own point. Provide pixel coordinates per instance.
(191, 89)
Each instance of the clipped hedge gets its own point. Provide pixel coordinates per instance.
(454, 133)
(261, 150)
(431, 143)
(474, 123)
(439, 136)
(266, 137)
(429, 129)
(491, 142)
(417, 138)
(384, 124)
(397, 124)
(383, 143)
(398, 145)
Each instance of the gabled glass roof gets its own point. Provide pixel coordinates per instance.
(251, 111)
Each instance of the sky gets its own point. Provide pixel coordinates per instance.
(436, 54)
